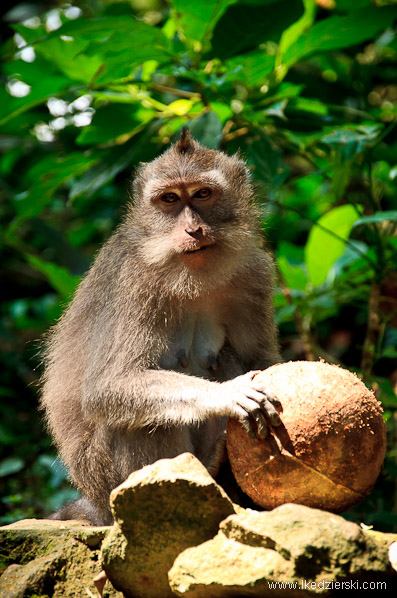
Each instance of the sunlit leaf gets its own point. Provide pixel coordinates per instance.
(326, 242)
(180, 107)
(294, 31)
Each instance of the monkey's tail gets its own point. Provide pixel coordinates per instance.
(81, 509)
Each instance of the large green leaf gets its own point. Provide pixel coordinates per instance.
(197, 20)
(109, 47)
(111, 122)
(323, 248)
(259, 23)
(122, 54)
(42, 87)
(66, 54)
(337, 32)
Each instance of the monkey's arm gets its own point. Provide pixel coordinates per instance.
(163, 398)
(253, 334)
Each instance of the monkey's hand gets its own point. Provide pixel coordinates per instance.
(251, 404)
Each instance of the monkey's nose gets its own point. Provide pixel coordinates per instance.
(196, 233)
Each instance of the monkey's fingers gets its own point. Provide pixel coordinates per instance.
(269, 411)
(274, 400)
(248, 426)
(262, 429)
(269, 395)
(242, 410)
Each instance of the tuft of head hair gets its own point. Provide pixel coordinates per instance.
(185, 143)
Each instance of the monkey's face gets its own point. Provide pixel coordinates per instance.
(193, 212)
(187, 205)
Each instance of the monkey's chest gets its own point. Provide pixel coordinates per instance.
(194, 345)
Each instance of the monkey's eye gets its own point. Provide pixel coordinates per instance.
(204, 193)
(169, 197)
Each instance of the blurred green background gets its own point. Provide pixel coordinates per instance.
(306, 90)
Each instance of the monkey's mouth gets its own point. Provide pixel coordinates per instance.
(197, 249)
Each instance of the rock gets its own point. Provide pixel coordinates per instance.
(50, 559)
(329, 449)
(159, 511)
(301, 547)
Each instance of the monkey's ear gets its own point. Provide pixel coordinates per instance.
(185, 143)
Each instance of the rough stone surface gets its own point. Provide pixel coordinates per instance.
(159, 511)
(50, 559)
(329, 449)
(296, 545)
(177, 534)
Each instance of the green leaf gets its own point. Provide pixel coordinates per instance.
(337, 32)
(47, 176)
(259, 24)
(207, 129)
(294, 274)
(11, 465)
(223, 111)
(294, 31)
(58, 277)
(197, 20)
(122, 54)
(349, 142)
(42, 87)
(252, 68)
(104, 48)
(323, 248)
(66, 53)
(390, 215)
(267, 161)
(114, 160)
(111, 122)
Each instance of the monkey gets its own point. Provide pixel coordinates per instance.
(167, 330)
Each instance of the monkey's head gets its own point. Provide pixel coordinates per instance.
(193, 214)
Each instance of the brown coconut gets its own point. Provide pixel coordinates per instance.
(329, 449)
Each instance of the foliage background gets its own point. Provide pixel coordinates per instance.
(305, 89)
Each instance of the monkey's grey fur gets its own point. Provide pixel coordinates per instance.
(148, 359)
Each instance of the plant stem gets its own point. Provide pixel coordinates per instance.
(372, 332)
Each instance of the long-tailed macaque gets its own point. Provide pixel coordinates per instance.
(162, 339)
